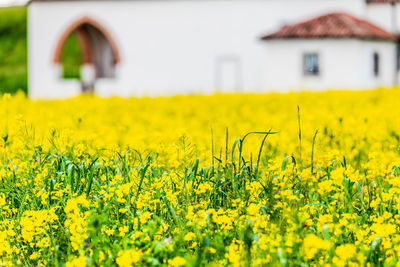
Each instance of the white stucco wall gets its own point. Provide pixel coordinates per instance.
(346, 64)
(384, 15)
(168, 47)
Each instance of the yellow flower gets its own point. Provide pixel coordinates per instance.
(383, 230)
(77, 262)
(177, 261)
(2, 200)
(123, 230)
(123, 210)
(346, 252)
(35, 255)
(189, 236)
(203, 188)
(109, 231)
(253, 209)
(76, 222)
(144, 217)
(128, 257)
(35, 224)
(234, 253)
(6, 96)
(338, 175)
(313, 244)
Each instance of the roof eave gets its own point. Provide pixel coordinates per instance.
(271, 38)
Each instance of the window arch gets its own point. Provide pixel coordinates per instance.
(99, 51)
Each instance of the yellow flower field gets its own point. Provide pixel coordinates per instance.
(226, 180)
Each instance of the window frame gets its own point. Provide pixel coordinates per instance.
(306, 71)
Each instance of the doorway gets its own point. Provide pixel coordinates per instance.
(228, 74)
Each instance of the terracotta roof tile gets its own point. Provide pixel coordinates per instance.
(333, 25)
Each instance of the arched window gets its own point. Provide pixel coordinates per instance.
(99, 52)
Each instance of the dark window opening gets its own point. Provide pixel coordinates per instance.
(311, 64)
(376, 64)
(398, 57)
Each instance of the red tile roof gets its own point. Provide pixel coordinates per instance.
(333, 25)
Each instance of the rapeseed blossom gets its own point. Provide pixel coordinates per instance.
(240, 179)
(128, 257)
(177, 261)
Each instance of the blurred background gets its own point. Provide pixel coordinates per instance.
(13, 49)
(154, 48)
(6, 3)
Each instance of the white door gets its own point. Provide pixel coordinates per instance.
(228, 74)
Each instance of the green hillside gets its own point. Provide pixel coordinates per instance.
(13, 52)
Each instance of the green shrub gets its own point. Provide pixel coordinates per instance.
(71, 58)
(13, 50)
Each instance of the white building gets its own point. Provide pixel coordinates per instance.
(336, 50)
(163, 47)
